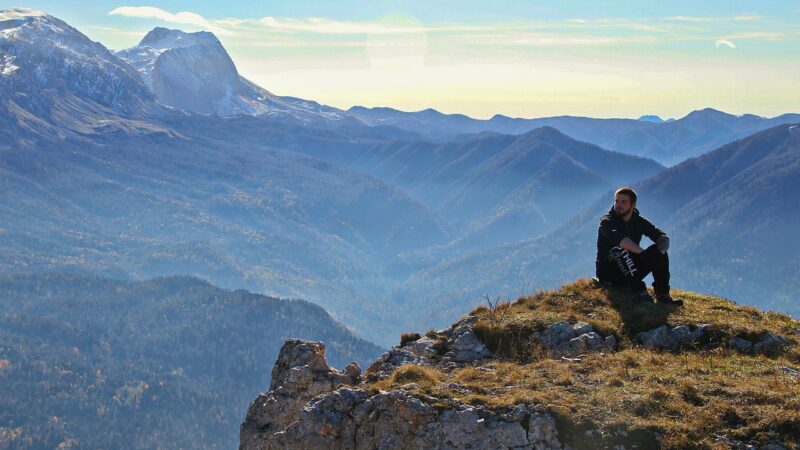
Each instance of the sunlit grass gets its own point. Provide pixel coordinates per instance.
(688, 397)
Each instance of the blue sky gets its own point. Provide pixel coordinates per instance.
(524, 59)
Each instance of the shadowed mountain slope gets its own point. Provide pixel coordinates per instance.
(164, 363)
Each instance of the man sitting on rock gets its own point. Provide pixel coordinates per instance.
(620, 259)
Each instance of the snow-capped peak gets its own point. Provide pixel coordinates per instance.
(193, 72)
(163, 39)
(20, 13)
(39, 52)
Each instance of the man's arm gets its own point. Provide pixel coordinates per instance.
(628, 244)
(650, 230)
(617, 237)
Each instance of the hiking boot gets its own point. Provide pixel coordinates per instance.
(668, 300)
(644, 296)
(602, 284)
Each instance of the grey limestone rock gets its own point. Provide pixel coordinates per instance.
(573, 339)
(300, 373)
(423, 347)
(352, 419)
(304, 410)
(770, 344)
(741, 345)
(464, 345)
(391, 360)
(767, 344)
(667, 338)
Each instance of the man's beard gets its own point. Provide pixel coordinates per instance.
(622, 212)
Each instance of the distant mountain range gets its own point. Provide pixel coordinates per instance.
(668, 142)
(730, 214)
(496, 188)
(104, 173)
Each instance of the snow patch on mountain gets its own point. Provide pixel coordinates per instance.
(164, 39)
(39, 52)
(20, 13)
(7, 66)
(193, 72)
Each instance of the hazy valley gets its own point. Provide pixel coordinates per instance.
(117, 168)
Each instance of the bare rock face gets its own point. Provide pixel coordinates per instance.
(459, 347)
(312, 406)
(668, 338)
(767, 344)
(465, 345)
(564, 339)
(300, 374)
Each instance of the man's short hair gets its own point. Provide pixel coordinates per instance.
(627, 191)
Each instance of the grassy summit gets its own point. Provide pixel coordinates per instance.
(705, 395)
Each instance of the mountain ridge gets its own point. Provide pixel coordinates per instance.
(174, 356)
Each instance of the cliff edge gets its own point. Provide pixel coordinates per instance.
(578, 367)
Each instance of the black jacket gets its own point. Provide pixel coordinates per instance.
(613, 229)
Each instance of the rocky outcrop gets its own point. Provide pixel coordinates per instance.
(766, 344)
(667, 338)
(464, 345)
(313, 406)
(308, 407)
(352, 419)
(564, 339)
(300, 374)
(456, 346)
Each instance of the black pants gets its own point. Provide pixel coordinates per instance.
(650, 260)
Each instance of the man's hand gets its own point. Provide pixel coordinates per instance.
(628, 244)
(663, 244)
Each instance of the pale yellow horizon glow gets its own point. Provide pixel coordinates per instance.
(622, 67)
(552, 88)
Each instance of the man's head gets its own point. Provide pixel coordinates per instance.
(624, 201)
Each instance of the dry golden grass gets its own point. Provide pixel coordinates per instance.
(689, 397)
(618, 312)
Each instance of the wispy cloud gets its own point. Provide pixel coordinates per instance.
(293, 32)
(739, 18)
(327, 26)
(769, 35)
(557, 40)
(725, 42)
(182, 18)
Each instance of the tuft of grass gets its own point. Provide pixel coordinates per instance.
(428, 379)
(405, 338)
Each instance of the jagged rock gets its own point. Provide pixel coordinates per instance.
(391, 360)
(351, 419)
(423, 347)
(667, 338)
(564, 339)
(768, 344)
(353, 371)
(303, 411)
(464, 345)
(790, 371)
(741, 345)
(300, 373)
